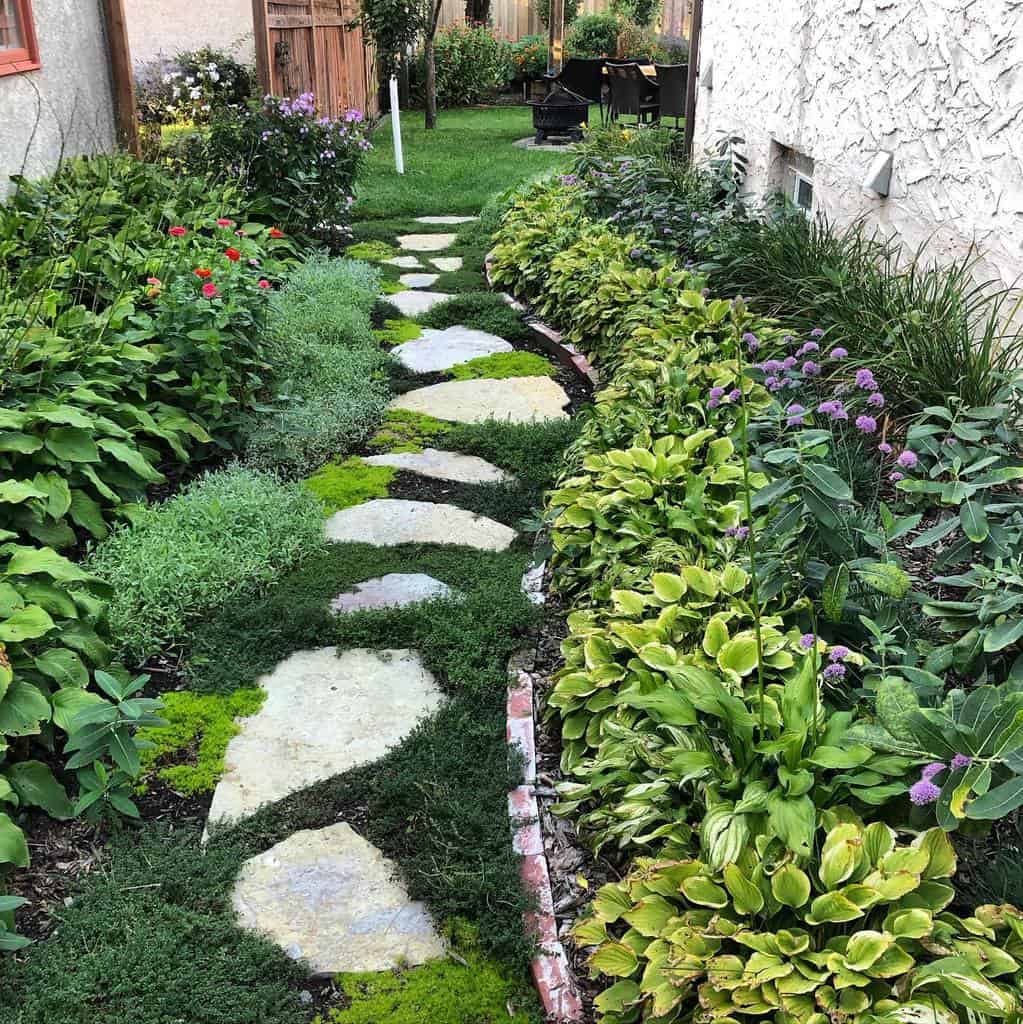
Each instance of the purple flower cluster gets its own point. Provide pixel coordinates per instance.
(925, 791)
(738, 532)
(718, 395)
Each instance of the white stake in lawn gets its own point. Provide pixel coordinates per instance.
(399, 156)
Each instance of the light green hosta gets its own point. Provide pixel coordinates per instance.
(861, 937)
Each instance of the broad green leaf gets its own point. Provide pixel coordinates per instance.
(25, 624)
(13, 847)
(14, 492)
(739, 655)
(72, 444)
(26, 561)
(704, 892)
(35, 785)
(22, 710)
(650, 915)
(825, 480)
(69, 702)
(668, 587)
(1002, 635)
(974, 521)
(746, 897)
(998, 802)
(614, 959)
(64, 667)
(865, 948)
(790, 886)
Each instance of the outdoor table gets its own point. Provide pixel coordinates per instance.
(648, 69)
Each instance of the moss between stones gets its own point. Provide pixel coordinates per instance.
(391, 287)
(208, 718)
(453, 282)
(501, 365)
(474, 991)
(374, 251)
(397, 332)
(343, 484)
(404, 431)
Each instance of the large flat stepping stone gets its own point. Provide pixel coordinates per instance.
(447, 219)
(395, 590)
(517, 400)
(417, 280)
(385, 521)
(414, 303)
(447, 263)
(440, 350)
(432, 242)
(329, 897)
(324, 713)
(442, 465)
(405, 262)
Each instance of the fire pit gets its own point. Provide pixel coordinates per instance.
(560, 113)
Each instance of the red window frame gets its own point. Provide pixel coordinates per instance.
(15, 60)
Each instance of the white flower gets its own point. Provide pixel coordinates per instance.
(175, 92)
(167, 79)
(195, 93)
(215, 76)
(190, 80)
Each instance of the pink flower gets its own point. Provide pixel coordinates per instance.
(154, 281)
(225, 222)
(264, 283)
(177, 231)
(210, 290)
(896, 476)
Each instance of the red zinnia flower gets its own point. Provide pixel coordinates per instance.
(233, 254)
(177, 231)
(276, 233)
(225, 222)
(155, 281)
(202, 272)
(210, 290)
(264, 283)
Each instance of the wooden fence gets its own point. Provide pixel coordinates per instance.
(312, 46)
(512, 19)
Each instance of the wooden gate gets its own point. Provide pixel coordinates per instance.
(315, 46)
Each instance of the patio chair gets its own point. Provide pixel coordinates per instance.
(632, 94)
(671, 81)
(585, 77)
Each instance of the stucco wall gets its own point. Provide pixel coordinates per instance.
(163, 28)
(67, 105)
(937, 82)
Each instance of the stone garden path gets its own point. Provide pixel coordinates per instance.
(328, 896)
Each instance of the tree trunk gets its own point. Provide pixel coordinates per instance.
(431, 84)
(477, 11)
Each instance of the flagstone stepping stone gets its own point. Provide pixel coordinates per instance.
(516, 399)
(447, 263)
(385, 521)
(395, 590)
(444, 220)
(440, 350)
(329, 897)
(324, 713)
(413, 303)
(418, 280)
(433, 242)
(442, 465)
(405, 262)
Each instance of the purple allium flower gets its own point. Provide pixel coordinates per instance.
(884, 448)
(752, 341)
(705, 292)
(839, 653)
(770, 382)
(924, 792)
(772, 366)
(636, 253)
(810, 368)
(932, 769)
(788, 362)
(896, 476)
(810, 346)
(834, 671)
(734, 395)
(865, 380)
(876, 399)
(795, 409)
(713, 403)
(716, 392)
(795, 421)
(569, 179)
(840, 414)
(776, 385)
(807, 641)
(817, 332)
(829, 408)
(907, 459)
(866, 424)
(838, 353)
(961, 761)
(739, 532)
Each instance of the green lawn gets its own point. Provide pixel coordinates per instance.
(453, 169)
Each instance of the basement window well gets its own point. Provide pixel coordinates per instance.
(792, 175)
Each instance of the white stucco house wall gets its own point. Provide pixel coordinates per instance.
(162, 28)
(818, 88)
(55, 88)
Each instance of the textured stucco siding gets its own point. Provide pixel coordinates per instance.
(67, 105)
(937, 82)
(163, 28)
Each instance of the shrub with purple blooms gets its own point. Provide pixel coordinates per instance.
(298, 167)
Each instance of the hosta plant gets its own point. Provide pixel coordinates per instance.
(859, 934)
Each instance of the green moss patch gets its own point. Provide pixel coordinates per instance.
(473, 991)
(485, 311)
(397, 332)
(503, 364)
(404, 431)
(207, 720)
(454, 282)
(343, 484)
(391, 287)
(373, 250)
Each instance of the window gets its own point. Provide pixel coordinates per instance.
(791, 173)
(802, 191)
(19, 50)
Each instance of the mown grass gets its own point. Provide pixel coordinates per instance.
(453, 169)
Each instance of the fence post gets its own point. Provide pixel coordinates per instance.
(693, 80)
(122, 76)
(262, 39)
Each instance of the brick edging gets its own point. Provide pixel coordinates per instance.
(551, 339)
(552, 974)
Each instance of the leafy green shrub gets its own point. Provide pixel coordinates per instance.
(594, 35)
(471, 64)
(296, 168)
(528, 58)
(229, 533)
(329, 372)
(543, 12)
(343, 484)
